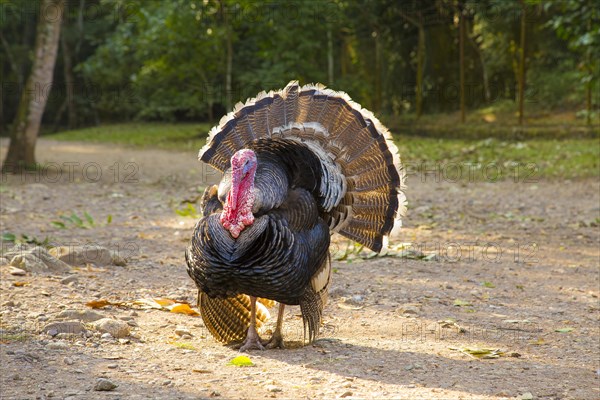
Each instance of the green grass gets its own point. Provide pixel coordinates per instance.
(488, 159)
(474, 158)
(144, 135)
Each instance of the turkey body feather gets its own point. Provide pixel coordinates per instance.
(298, 164)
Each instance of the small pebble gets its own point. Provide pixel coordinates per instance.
(68, 361)
(106, 336)
(273, 388)
(17, 271)
(112, 366)
(69, 279)
(166, 382)
(104, 385)
(182, 330)
(345, 394)
(58, 345)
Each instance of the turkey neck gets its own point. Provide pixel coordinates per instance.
(237, 211)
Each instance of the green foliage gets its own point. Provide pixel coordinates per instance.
(74, 221)
(169, 60)
(188, 211)
(24, 238)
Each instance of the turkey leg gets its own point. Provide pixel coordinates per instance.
(252, 340)
(276, 340)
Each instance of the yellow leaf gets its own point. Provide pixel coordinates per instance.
(538, 342)
(98, 303)
(21, 284)
(165, 302)
(241, 361)
(484, 353)
(148, 303)
(183, 309)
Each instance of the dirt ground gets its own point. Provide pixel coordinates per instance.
(512, 265)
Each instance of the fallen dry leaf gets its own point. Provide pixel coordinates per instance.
(202, 371)
(21, 284)
(183, 309)
(165, 302)
(481, 353)
(98, 303)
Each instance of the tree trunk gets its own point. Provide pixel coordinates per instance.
(484, 75)
(26, 126)
(69, 79)
(229, 57)
(378, 95)
(590, 82)
(329, 57)
(418, 23)
(420, 66)
(522, 64)
(461, 41)
(228, 78)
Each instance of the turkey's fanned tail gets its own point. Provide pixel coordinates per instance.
(228, 319)
(361, 180)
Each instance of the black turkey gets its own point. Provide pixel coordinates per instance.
(299, 164)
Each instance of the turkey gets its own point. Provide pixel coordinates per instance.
(299, 164)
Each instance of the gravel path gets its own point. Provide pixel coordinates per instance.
(508, 266)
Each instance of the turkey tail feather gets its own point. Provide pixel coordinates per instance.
(361, 178)
(228, 319)
(314, 299)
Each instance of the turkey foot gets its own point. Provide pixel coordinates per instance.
(252, 340)
(276, 341)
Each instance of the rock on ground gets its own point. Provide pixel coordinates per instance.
(73, 327)
(116, 328)
(35, 260)
(81, 315)
(82, 255)
(104, 385)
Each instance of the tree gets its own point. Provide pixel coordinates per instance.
(26, 126)
(461, 43)
(522, 61)
(577, 22)
(416, 21)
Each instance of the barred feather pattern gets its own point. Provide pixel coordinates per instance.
(323, 164)
(228, 319)
(362, 188)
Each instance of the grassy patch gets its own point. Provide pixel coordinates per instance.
(185, 346)
(491, 159)
(146, 135)
(16, 337)
(449, 158)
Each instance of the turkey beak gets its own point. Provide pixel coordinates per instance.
(245, 170)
